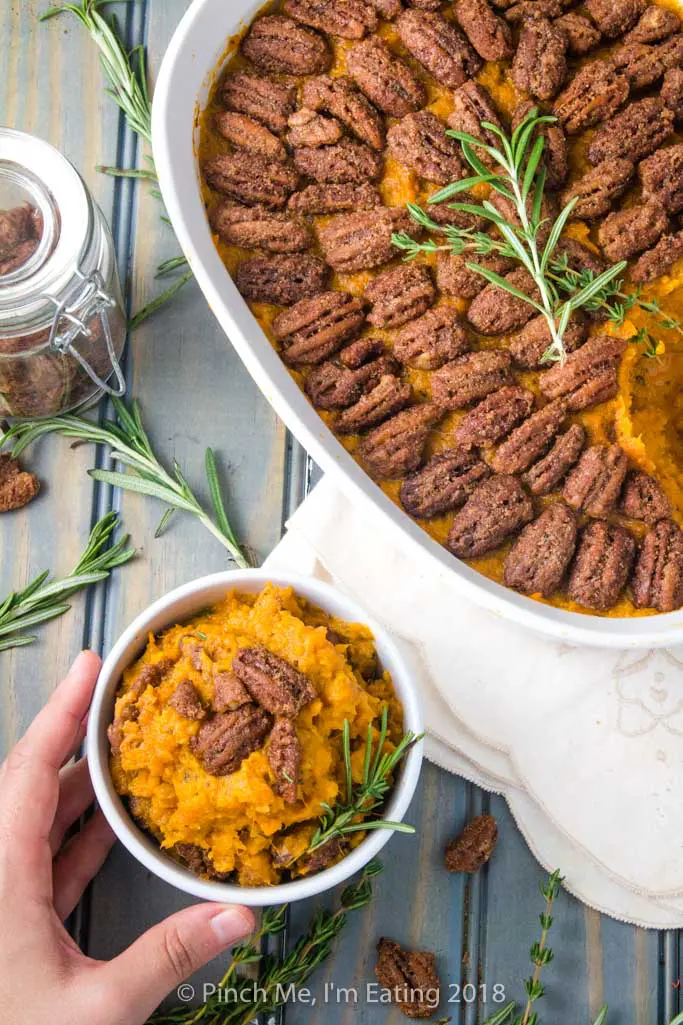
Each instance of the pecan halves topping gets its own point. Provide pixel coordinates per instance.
(658, 577)
(540, 64)
(340, 98)
(345, 161)
(384, 78)
(350, 19)
(494, 417)
(635, 132)
(626, 232)
(530, 345)
(420, 142)
(247, 133)
(284, 757)
(361, 241)
(594, 94)
(538, 560)
(387, 397)
(545, 475)
(263, 99)
(470, 378)
(659, 259)
(308, 129)
(315, 328)
(473, 105)
(395, 448)
(439, 47)
(588, 376)
(272, 682)
(530, 440)
(332, 386)
(671, 92)
(431, 340)
(496, 311)
(399, 295)
(654, 25)
(497, 508)
(582, 35)
(473, 848)
(661, 176)
(597, 190)
(614, 17)
(251, 178)
(257, 228)
(277, 44)
(445, 483)
(595, 482)
(555, 158)
(334, 199)
(454, 278)
(281, 279)
(185, 700)
(228, 692)
(225, 740)
(410, 977)
(602, 565)
(487, 32)
(642, 498)
(642, 65)
(17, 487)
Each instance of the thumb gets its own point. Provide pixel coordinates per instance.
(170, 952)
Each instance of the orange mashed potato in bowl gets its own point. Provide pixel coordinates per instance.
(227, 738)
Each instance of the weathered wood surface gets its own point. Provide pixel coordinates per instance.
(195, 392)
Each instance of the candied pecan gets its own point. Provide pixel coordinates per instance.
(323, 857)
(284, 757)
(495, 416)
(470, 378)
(258, 228)
(151, 675)
(420, 142)
(410, 976)
(308, 129)
(389, 396)
(555, 151)
(596, 481)
(661, 176)
(384, 78)
(548, 213)
(598, 188)
(350, 19)
(654, 25)
(334, 199)
(228, 692)
(635, 132)
(496, 509)
(614, 17)
(579, 257)
(642, 498)
(17, 487)
(438, 46)
(457, 280)
(264, 99)
(360, 241)
(272, 682)
(582, 35)
(671, 92)
(336, 387)
(16, 227)
(540, 64)
(185, 700)
(246, 133)
(361, 351)
(539, 558)
(471, 106)
(588, 376)
(626, 232)
(395, 448)
(659, 260)
(544, 476)
(431, 340)
(388, 9)
(497, 312)
(530, 345)
(346, 161)
(602, 565)
(445, 483)
(198, 860)
(225, 740)
(340, 97)
(488, 34)
(530, 440)
(443, 213)
(425, 5)
(529, 9)
(595, 93)
(251, 178)
(281, 280)
(278, 44)
(658, 577)
(315, 328)
(642, 65)
(473, 848)
(399, 295)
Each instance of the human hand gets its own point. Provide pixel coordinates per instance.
(44, 977)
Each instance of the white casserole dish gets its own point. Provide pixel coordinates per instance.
(189, 68)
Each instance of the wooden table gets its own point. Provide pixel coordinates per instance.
(195, 392)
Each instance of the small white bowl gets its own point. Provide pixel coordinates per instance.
(181, 604)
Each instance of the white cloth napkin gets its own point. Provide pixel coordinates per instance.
(584, 744)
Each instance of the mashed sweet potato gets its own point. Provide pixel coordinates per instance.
(237, 826)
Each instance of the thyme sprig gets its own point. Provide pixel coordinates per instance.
(44, 598)
(238, 1000)
(130, 446)
(363, 799)
(521, 180)
(126, 73)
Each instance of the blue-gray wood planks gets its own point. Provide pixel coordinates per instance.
(195, 392)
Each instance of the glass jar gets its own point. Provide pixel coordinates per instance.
(62, 325)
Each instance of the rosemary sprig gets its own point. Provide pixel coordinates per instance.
(238, 1000)
(44, 599)
(364, 798)
(130, 446)
(126, 73)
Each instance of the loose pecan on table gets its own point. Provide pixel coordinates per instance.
(314, 329)
(400, 294)
(595, 483)
(278, 45)
(439, 47)
(429, 341)
(538, 559)
(17, 486)
(224, 741)
(473, 848)
(411, 977)
(281, 280)
(470, 378)
(602, 565)
(396, 447)
(445, 483)
(658, 577)
(273, 682)
(497, 508)
(384, 78)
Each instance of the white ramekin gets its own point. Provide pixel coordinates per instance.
(178, 606)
